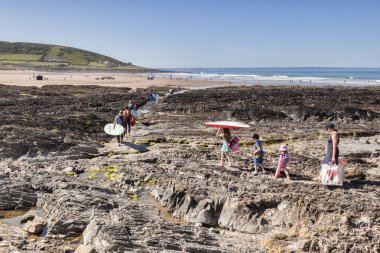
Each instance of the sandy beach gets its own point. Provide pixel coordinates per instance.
(25, 78)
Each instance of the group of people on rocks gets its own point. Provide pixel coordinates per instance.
(125, 119)
(257, 151)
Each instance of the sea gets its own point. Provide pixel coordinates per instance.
(305, 76)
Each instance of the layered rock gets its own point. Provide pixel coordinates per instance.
(58, 118)
(162, 190)
(279, 103)
(16, 194)
(70, 206)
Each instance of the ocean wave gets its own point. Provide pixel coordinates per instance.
(280, 79)
(280, 76)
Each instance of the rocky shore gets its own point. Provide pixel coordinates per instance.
(67, 187)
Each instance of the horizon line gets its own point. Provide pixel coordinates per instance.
(264, 67)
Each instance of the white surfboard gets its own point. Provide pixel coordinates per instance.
(118, 130)
(227, 124)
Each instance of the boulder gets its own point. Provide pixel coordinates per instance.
(85, 249)
(238, 215)
(35, 226)
(29, 216)
(68, 169)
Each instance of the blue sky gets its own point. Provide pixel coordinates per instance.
(205, 33)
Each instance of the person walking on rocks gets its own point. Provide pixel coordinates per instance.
(332, 150)
(258, 154)
(127, 121)
(119, 119)
(283, 161)
(225, 151)
(135, 107)
(132, 106)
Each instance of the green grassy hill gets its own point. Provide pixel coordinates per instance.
(22, 55)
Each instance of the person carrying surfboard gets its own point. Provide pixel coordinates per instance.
(225, 151)
(258, 154)
(119, 120)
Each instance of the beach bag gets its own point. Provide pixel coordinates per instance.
(133, 121)
(332, 174)
(234, 144)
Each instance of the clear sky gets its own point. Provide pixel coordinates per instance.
(205, 33)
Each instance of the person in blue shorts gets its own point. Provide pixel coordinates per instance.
(258, 155)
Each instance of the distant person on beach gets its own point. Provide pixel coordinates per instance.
(283, 161)
(225, 151)
(119, 119)
(332, 150)
(258, 154)
(127, 122)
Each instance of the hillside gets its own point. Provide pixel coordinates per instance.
(22, 55)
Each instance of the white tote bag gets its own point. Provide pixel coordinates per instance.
(332, 174)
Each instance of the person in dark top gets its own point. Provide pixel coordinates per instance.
(332, 149)
(127, 122)
(258, 155)
(119, 119)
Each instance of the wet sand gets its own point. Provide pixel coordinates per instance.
(25, 78)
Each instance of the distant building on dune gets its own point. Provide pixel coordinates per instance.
(107, 62)
(53, 59)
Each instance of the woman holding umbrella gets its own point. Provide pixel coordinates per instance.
(229, 144)
(225, 151)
